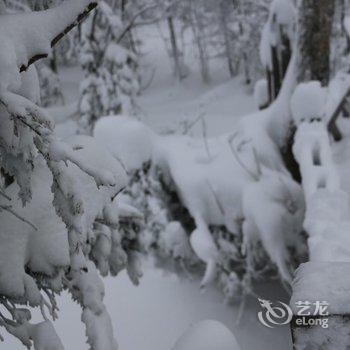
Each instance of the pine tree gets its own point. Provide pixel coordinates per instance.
(60, 218)
(110, 69)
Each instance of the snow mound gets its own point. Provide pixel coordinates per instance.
(261, 93)
(126, 138)
(310, 285)
(283, 11)
(207, 335)
(44, 337)
(308, 102)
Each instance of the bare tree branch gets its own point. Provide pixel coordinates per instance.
(133, 20)
(332, 126)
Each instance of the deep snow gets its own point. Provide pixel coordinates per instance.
(155, 314)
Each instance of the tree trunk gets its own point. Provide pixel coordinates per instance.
(198, 27)
(174, 47)
(277, 79)
(315, 28)
(244, 57)
(313, 63)
(53, 61)
(227, 39)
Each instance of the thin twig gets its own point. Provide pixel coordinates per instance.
(204, 134)
(190, 125)
(4, 195)
(133, 20)
(255, 177)
(222, 210)
(9, 209)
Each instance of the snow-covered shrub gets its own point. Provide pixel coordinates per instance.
(120, 78)
(162, 234)
(209, 201)
(308, 102)
(110, 80)
(60, 218)
(50, 86)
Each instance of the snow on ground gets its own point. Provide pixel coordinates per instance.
(155, 314)
(220, 104)
(166, 102)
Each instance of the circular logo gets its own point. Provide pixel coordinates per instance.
(277, 314)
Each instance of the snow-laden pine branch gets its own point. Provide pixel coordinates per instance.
(28, 37)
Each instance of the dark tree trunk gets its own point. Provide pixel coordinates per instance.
(53, 61)
(227, 39)
(269, 85)
(174, 47)
(286, 53)
(314, 38)
(277, 81)
(315, 28)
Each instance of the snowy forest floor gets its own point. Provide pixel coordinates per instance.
(154, 314)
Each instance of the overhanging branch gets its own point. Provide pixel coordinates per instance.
(92, 5)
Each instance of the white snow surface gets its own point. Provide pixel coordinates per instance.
(126, 138)
(261, 93)
(207, 335)
(155, 314)
(309, 101)
(310, 285)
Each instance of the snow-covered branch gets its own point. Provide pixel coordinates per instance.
(76, 11)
